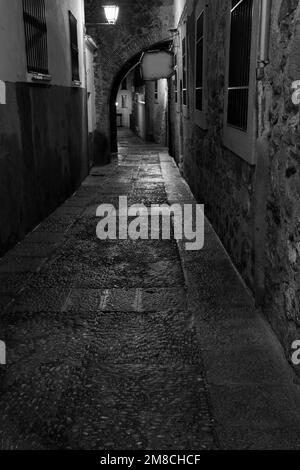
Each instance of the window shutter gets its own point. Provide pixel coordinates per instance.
(34, 15)
(74, 47)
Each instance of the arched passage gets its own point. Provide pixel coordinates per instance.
(129, 65)
(119, 48)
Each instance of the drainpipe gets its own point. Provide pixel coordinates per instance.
(265, 24)
(261, 183)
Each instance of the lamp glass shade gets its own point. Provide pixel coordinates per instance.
(111, 13)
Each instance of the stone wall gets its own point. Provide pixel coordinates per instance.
(255, 209)
(281, 122)
(219, 179)
(139, 26)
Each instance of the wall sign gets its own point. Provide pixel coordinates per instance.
(156, 65)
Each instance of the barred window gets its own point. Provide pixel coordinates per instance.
(184, 72)
(199, 61)
(74, 47)
(35, 26)
(239, 63)
(242, 45)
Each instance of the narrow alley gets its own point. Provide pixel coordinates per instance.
(135, 344)
(149, 229)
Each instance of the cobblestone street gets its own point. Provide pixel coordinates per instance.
(135, 344)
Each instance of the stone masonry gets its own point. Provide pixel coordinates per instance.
(254, 209)
(281, 123)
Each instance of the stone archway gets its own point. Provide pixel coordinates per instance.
(117, 81)
(137, 30)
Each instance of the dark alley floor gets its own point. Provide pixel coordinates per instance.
(135, 344)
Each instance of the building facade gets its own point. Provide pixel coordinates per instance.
(43, 112)
(236, 135)
(157, 111)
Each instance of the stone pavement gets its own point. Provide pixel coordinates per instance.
(135, 344)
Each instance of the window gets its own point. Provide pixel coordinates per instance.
(180, 84)
(184, 72)
(184, 66)
(239, 63)
(35, 36)
(124, 101)
(199, 61)
(240, 118)
(156, 91)
(176, 80)
(200, 66)
(74, 48)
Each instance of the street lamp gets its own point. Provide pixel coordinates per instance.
(111, 13)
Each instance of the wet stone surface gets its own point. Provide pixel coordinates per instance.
(101, 349)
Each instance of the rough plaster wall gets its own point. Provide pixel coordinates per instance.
(138, 28)
(43, 154)
(13, 62)
(157, 112)
(59, 40)
(281, 118)
(13, 67)
(139, 116)
(10, 163)
(160, 114)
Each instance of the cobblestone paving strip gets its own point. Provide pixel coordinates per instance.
(102, 350)
(253, 395)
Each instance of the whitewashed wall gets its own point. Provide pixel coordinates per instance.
(13, 67)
